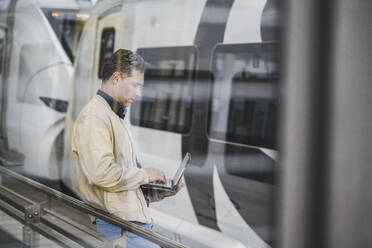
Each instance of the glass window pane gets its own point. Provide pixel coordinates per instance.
(67, 25)
(243, 108)
(166, 99)
(107, 47)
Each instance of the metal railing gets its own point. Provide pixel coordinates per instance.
(61, 218)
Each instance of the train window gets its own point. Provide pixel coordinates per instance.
(67, 25)
(107, 47)
(166, 102)
(243, 106)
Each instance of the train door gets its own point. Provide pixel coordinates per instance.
(242, 139)
(109, 36)
(100, 37)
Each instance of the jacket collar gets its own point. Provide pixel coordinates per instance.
(117, 107)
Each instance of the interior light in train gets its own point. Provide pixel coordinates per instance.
(82, 16)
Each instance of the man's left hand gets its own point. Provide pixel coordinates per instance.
(172, 193)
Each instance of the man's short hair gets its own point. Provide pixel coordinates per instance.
(123, 61)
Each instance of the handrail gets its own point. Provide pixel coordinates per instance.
(43, 215)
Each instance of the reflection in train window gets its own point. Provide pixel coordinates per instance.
(34, 79)
(166, 102)
(67, 25)
(82, 86)
(243, 108)
(107, 47)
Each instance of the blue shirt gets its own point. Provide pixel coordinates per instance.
(116, 106)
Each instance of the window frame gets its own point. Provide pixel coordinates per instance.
(163, 53)
(239, 47)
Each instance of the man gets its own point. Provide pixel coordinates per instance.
(109, 176)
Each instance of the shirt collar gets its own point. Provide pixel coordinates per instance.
(117, 107)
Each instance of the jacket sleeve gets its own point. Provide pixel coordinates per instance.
(93, 143)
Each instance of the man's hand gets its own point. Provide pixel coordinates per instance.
(180, 185)
(155, 175)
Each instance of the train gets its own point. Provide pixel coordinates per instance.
(211, 89)
(37, 40)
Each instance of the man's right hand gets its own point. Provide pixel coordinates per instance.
(155, 175)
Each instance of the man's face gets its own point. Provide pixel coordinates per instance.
(127, 89)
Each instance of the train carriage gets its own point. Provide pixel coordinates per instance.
(37, 43)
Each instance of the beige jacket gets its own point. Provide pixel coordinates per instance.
(107, 174)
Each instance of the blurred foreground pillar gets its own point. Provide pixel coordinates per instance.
(326, 127)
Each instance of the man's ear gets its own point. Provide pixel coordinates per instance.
(115, 77)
